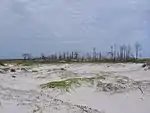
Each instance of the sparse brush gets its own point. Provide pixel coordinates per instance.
(72, 82)
(2, 64)
(119, 84)
(27, 63)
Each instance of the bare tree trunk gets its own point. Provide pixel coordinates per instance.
(114, 52)
(137, 49)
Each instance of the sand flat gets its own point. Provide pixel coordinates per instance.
(125, 89)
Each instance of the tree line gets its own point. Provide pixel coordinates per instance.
(116, 54)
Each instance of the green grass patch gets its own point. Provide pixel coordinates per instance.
(27, 63)
(70, 83)
(19, 62)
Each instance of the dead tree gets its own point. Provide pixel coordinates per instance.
(94, 53)
(121, 53)
(114, 52)
(137, 49)
(26, 56)
(100, 56)
(111, 53)
(64, 56)
(128, 54)
(43, 57)
(124, 52)
(76, 55)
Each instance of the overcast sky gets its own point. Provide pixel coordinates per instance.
(46, 26)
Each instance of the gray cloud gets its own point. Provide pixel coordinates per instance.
(58, 25)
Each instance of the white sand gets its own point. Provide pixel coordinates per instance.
(24, 95)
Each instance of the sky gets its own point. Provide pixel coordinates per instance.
(48, 26)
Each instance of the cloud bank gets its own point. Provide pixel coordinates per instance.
(58, 25)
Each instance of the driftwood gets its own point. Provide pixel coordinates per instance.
(146, 65)
(140, 89)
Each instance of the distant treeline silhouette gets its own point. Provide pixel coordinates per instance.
(116, 54)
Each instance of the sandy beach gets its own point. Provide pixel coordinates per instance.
(109, 88)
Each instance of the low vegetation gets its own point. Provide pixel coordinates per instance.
(117, 54)
(32, 62)
(70, 83)
(105, 83)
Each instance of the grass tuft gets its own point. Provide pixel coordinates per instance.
(70, 83)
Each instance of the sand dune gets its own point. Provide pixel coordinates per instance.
(110, 88)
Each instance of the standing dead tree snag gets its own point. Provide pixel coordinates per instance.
(138, 48)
